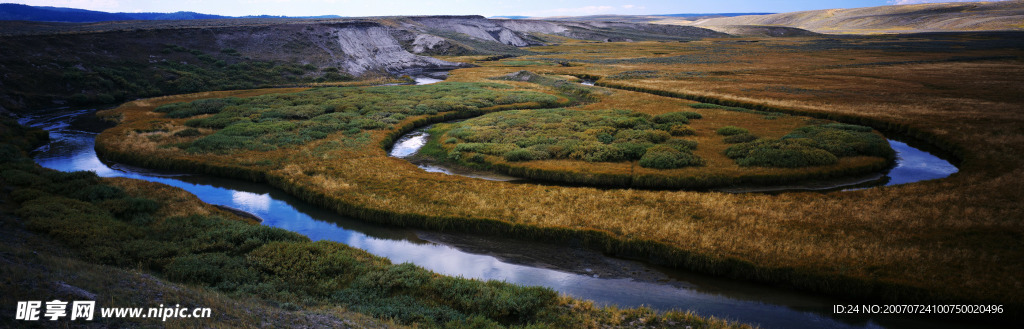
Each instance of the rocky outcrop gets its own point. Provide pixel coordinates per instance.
(427, 42)
(373, 48)
(353, 47)
(519, 33)
(530, 26)
(476, 27)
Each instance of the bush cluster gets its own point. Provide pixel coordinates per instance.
(740, 138)
(766, 114)
(811, 146)
(845, 140)
(779, 153)
(667, 157)
(593, 136)
(268, 122)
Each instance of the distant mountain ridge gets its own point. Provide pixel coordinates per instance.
(20, 12)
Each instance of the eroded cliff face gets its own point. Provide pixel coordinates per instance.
(450, 35)
(356, 48)
(476, 27)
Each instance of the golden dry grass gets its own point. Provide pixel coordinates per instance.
(954, 239)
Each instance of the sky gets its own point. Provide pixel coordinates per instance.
(537, 8)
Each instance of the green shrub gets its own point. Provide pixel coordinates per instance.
(213, 269)
(95, 192)
(188, 132)
(767, 115)
(845, 140)
(525, 155)
(789, 153)
(846, 126)
(21, 178)
(642, 136)
(197, 107)
(597, 152)
(707, 106)
(731, 130)
(667, 157)
(632, 151)
(25, 194)
(741, 138)
(676, 117)
(592, 136)
(685, 145)
(212, 122)
(681, 130)
(469, 147)
(280, 120)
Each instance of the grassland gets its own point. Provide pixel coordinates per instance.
(949, 240)
(131, 243)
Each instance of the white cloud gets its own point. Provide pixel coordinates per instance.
(914, 2)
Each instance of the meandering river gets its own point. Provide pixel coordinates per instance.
(573, 271)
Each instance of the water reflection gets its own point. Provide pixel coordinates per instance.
(576, 272)
(915, 165)
(426, 80)
(251, 202)
(408, 146)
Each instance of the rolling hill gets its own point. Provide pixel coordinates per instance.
(934, 17)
